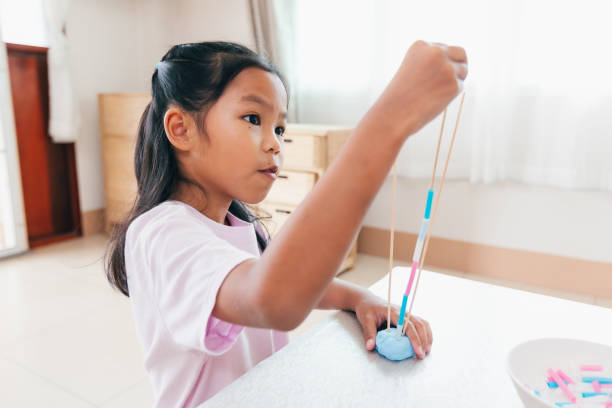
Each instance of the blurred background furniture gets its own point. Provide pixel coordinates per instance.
(48, 169)
(119, 119)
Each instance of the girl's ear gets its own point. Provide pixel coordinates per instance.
(180, 129)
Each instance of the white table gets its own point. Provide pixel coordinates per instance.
(474, 326)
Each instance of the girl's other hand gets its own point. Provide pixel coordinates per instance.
(371, 313)
(430, 76)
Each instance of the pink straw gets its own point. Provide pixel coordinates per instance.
(595, 367)
(550, 379)
(415, 265)
(561, 385)
(564, 377)
(596, 386)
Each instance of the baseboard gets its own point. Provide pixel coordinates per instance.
(546, 270)
(92, 221)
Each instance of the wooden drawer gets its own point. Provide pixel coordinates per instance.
(273, 215)
(291, 187)
(305, 152)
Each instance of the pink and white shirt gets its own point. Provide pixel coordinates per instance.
(176, 260)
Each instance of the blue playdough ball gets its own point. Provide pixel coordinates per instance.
(391, 345)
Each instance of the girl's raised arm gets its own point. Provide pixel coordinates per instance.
(281, 288)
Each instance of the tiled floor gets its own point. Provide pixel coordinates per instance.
(67, 340)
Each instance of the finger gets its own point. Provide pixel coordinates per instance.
(427, 330)
(422, 331)
(439, 44)
(429, 334)
(461, 69)
(414, 339)
(459, 86)
(456, 54)
(369, 330)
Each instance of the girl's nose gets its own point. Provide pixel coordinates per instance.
(270, 142)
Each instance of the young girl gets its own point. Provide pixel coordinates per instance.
(212, 296)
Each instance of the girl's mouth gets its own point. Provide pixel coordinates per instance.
(270, 172)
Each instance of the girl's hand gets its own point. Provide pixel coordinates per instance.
(428, 79)
(371, 313)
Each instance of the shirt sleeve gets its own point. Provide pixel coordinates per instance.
(188, 264)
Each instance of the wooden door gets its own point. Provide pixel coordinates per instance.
(48, 171)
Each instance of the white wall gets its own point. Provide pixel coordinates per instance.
(571, 223)
(102, 42)
(114, 47)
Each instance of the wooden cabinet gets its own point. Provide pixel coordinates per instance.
(308, 149)
(119, 119)
(48, 169)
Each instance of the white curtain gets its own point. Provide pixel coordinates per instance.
(13, 235)
(274, 35)
(538, 105)
(64, 113)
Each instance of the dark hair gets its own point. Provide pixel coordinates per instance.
(192, 77)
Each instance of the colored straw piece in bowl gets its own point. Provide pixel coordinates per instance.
(562, 385)
(596, 367)
(601, 380)
(596, 386)
(565, 377)
(593, 394)
(551, 382)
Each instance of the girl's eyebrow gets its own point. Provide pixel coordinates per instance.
(261, 101)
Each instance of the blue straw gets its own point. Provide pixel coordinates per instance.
(601, 380)
(400, 322)
(592, 394)
(430, 194)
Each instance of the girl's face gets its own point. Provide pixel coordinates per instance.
(239, 154)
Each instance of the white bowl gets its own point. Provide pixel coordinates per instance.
(528, 363)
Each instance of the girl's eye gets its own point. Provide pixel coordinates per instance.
(253, 119)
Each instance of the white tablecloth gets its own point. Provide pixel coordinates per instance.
(474, 326)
